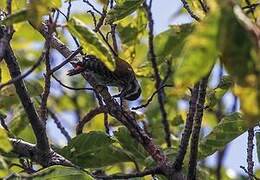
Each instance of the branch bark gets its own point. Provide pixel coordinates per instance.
(158, 82)
(188, 129)
(28, 150)
(37, 125)
(196, 129)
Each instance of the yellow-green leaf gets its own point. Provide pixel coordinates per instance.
(171, 41)
(199, 53)
(16, 17)
(5, 144)
(122, 9)
(90, 41)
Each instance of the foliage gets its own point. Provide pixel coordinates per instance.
(190, 51)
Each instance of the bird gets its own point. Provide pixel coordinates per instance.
(123, 76)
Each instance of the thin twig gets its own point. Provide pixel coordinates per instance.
(249, 174)
(106, 123)
(89, 116)
(204, 6)
(68, 10)
(93, 7)
(151, 98)
(22, 76)
(102, 35)
(250, 149)
(251, 9)
(71, 88)
(3, 124)
(102, 18)
(59, 125)
(188, 9)
(158, 81)
(251, 6)
(219, 115)
(196, 129)
(47, 83)
(67, 60)
(113, 30)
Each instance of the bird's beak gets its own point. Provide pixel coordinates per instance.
(78, 69)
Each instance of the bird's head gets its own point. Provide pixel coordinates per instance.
(79, 66)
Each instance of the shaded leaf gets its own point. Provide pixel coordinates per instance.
(90, 41)
(34, 87)
(94, 149)
(61, 173)
(228, 129)
(241, 59)
(122, 9)
(130, 144)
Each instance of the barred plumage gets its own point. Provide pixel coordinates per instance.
(123, 76)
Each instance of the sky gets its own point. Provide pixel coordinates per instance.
(162, 11)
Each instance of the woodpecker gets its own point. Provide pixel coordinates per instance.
(123, 76)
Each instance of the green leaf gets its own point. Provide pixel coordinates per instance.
(60, 173)
(5, 144)
(20, 125)
(199, 53)
(16, 17)
(93, 150)
(123, 9)
(90, 42)
(34, 11)
(34, 87)
(127, 34)
(3, 168)
(130, 144)
(171, 41)
(228, 129)
(19, 121)
(257, 135)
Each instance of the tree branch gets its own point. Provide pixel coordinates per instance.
(59, 125)
(196, 129)
(158, 82)
(250, 148)
(188, 129)
(37, 125)
(28, 150)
